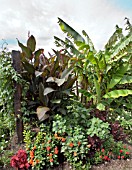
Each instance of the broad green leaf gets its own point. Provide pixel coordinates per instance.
(118, 93)
(48, 90)
(100, 106)
(41, 113)
(121, 45)
(31, 43)
(91, 58)
(84, 46)
(26, 50)
(118, 75)
(126, 80)
(85, 92)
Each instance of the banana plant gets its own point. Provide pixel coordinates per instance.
(100, 73)
(50, 79)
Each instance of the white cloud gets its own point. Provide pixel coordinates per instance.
(97, 17)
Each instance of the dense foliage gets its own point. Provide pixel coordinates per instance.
(76, 103)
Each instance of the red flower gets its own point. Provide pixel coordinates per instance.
(118, 157)
(48, 148)
(106, 158)
(63, 139)
(31, 154)
(122, 157)
(121, 151)
(71, 144)
(127, 153)
(56, 151)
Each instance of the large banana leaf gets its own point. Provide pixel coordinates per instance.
(126, 80)
(70, 31)
(124, 43)
(118, 93)
(116, 77)
(89, 42)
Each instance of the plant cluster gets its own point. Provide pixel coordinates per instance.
(19, 160)
(79, 98)
(87, 143)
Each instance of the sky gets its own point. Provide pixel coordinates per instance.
(97, 17)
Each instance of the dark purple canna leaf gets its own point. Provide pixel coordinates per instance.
(31, 43)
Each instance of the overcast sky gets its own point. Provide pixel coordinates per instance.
(97, 17)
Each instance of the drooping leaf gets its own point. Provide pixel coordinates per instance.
(70, 31)
(38, 73)
(113, 39)
(116, 77)
(31, 43)
(59, 82)
(36, 57)
(50, 79)
(89, 42)
(26, 50)
(48, 90)
(118, 93)
(41, 113)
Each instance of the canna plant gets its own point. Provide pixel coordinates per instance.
(50, 79)
(101, 75)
